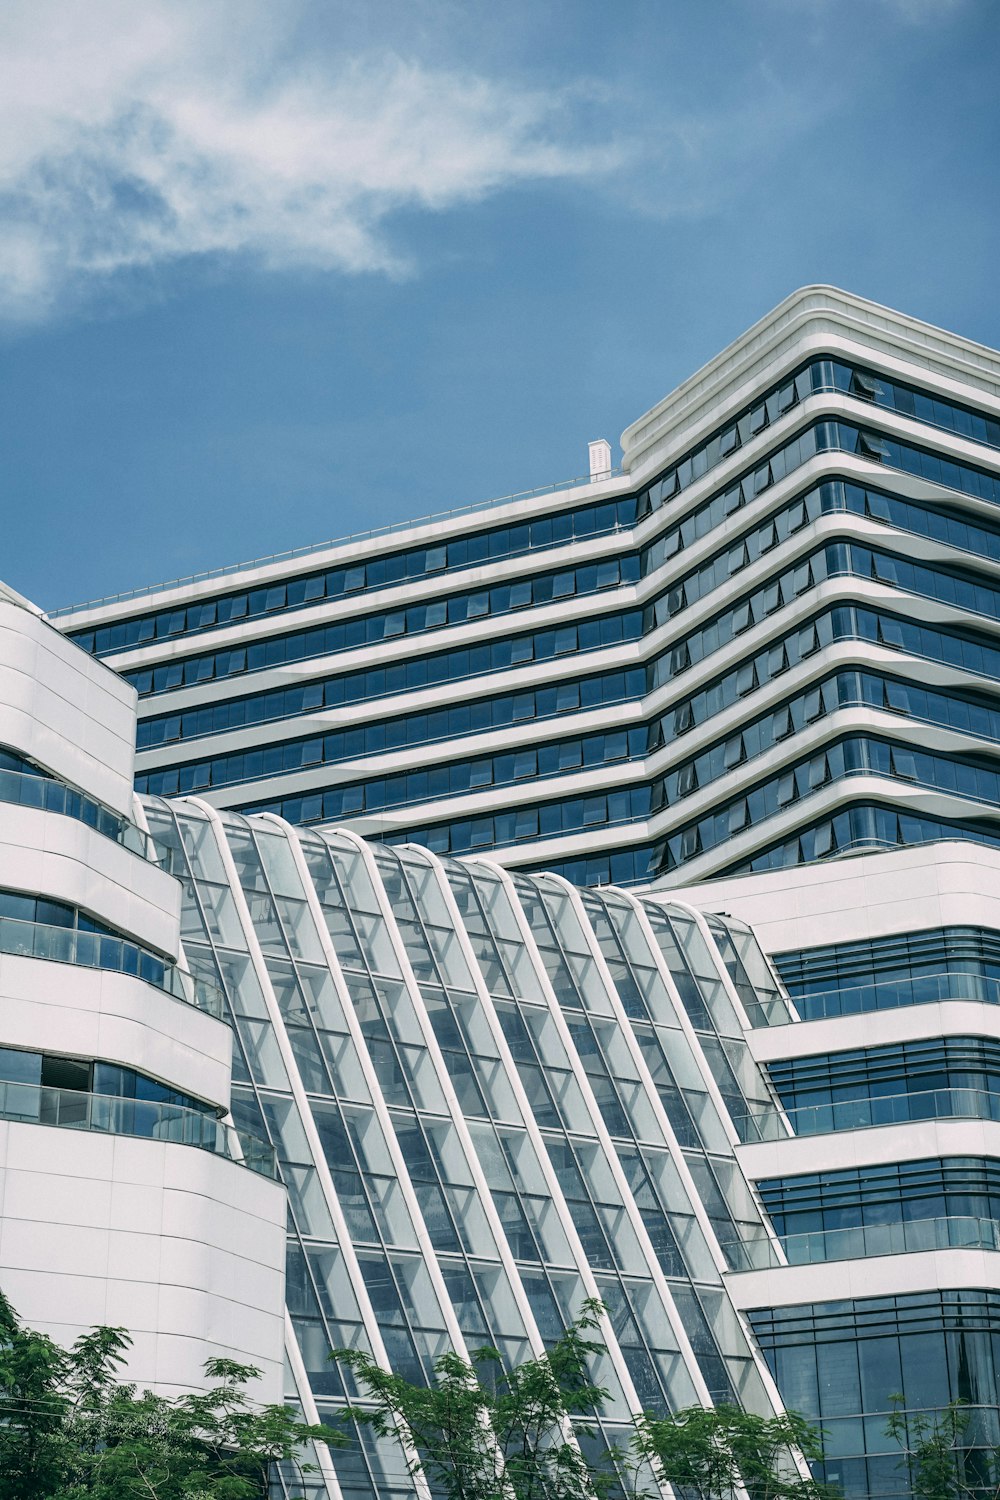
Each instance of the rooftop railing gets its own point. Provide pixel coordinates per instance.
(392, 529)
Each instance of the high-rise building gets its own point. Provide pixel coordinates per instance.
(753, 1115)
(771, 636)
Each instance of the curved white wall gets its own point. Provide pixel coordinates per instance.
(47, 853)
(63, 709)
(183, 1248)
(94, 1013)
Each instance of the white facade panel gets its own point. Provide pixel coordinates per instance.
(184, 1250)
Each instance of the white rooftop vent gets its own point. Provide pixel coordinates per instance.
(600, 459)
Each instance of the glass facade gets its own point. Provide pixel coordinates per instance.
(490, 1097)
(841, 1363)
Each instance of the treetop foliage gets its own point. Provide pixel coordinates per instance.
(71, 1430)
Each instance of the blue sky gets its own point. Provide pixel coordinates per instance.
(271, 274)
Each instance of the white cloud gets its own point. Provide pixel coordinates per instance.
(137, 132)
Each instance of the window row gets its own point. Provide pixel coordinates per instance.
(82, 1094)
(921, 462)
(830, 498)
(836, 558)
(49, 1070)
(813, 378)
(939, 524)
(844, 689)
(42, 928)
(901, 958)
(478, 547)
(755, 739)
(542, 821)
(429, 783)
(860, 826)
(854, 756)
(851, 756)
(361, 630)
(950, 587)
(743, 679)
(884, 1193)
(474, 716)
(909, 401)
(916, 1065)
(971, 651)
(398, 677)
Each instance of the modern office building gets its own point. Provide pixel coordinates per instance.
(770, 637)
(754, 1115)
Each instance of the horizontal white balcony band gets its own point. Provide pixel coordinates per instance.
(375, 601)
(484, 800)
(601, 602)
(875, 1276)
(857, 719)
(67, 711)
(852, 900)
(879, 1028)
(813, 321)
(183, 1248)
(756, 639)
(878, 1145)
(848, 652)
(808, 810)
(846, 588)
(825, 405)
(541, 615)
(46, 854)
(826, 803)
(117, 1018)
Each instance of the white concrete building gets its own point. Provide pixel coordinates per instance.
(770, 636)
(123, 1199)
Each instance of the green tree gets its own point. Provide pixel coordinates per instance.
(938, 1461)
(70, 1429)
(480, 1432)
(723, 1451)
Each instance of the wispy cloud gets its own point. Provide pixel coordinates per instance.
(136, 134)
